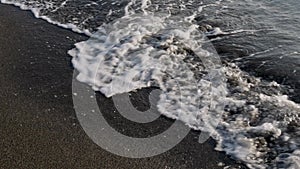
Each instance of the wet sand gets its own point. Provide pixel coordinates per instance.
(38, 124)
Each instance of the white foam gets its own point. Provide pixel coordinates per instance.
(37, 14)
(146, 50)
(245, 127)
(150, 49)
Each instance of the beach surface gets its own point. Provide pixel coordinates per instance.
(39, 128)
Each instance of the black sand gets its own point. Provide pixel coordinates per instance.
(38, 125)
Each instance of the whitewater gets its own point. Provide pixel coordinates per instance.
(170, 45)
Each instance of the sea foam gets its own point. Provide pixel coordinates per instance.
(147, 50)
(259, 124)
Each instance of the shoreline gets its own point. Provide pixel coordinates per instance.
(39, 125)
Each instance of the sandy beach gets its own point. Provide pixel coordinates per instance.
(39, 128)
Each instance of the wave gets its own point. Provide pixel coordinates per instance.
(250, 118)
(36, 10)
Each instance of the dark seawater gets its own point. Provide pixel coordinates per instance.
(258, 42)
(272, 52)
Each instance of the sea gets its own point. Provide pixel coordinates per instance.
(228, 67)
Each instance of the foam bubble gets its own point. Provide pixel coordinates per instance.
(155, 50)
(36, 8)
(259, 126)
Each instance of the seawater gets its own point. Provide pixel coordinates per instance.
(138, 44)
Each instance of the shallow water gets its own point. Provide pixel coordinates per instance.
(159, 44)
